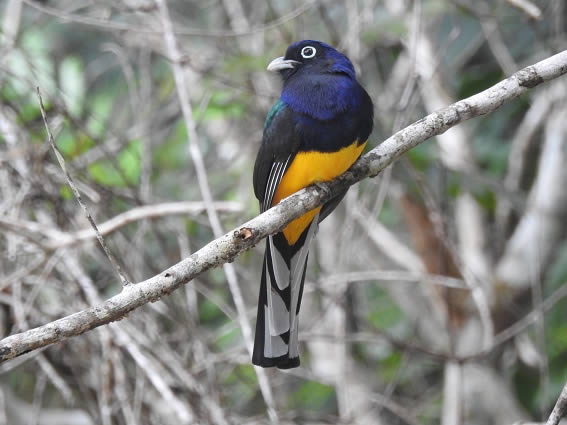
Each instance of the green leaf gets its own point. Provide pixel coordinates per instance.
(313, 395)
(29, 112)
(221, 105)
(557, 339)
(209, 312)
(453, 188)
(486, 199)
(173, 153)
(71, 144)
(104, 172)
(385, 314)
(390, 365)
(32, 65)
(243, 374)
(228, 339)
(243, 382)
(72, 83)
(66, 192)
(101, 107)
(65, 142)
(129, 161)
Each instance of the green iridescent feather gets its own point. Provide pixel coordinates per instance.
(278, 106)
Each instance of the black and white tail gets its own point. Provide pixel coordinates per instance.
(283, 275)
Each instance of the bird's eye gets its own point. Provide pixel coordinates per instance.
(308, 52)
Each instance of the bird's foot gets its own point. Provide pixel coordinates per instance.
(323, 187)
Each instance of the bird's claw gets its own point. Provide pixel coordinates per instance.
(323, 187)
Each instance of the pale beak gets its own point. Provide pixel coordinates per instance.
(279, 64)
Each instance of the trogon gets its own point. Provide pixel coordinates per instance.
(313, 133)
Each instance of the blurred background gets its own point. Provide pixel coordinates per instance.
(434, 294)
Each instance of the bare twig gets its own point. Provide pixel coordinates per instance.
(539, 232)
(388, 243)
(393, 275)
(141, 213)
(195, 152)
(496, 43)
(11, 21)
(519, 157)
(529, 319)
(119, 26)
(560, 408)
(156, 378)
(77, 194)
(452, 394)
(55, 379)
(59, 239)
(456, 153)
(228, 246)
(530, 9)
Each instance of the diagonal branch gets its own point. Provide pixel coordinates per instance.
(59, 239)
(78, 197)
(225, 248)
(560, 408)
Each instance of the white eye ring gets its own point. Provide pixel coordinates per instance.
(309, 54)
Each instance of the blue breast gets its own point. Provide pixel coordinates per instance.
(322, 97)
(329, 111)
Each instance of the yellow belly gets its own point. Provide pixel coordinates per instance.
(308, 168)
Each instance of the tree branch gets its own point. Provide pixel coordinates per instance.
(78, 197)
(56, 239)
(560, 408)
(228, 246)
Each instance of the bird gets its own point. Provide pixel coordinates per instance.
(313, 133)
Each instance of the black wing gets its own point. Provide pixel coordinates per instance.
(280, 143)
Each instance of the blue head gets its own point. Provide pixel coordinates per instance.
(310, 56)
(318, 80)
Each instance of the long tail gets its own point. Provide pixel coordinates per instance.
(283, 275)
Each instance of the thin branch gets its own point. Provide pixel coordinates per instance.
(527, 7)
(141, 213)
(77, 194)
(390, 245)
(452, 410)
(60, 239)
(538, 233)
(181, 409)
(529, 319)
(396, 276)
(519, 326)
(560, 408)
(183, 93)
(56, 239)
(230, 245)
(380, 336)
(141, 29)
(520, 156)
